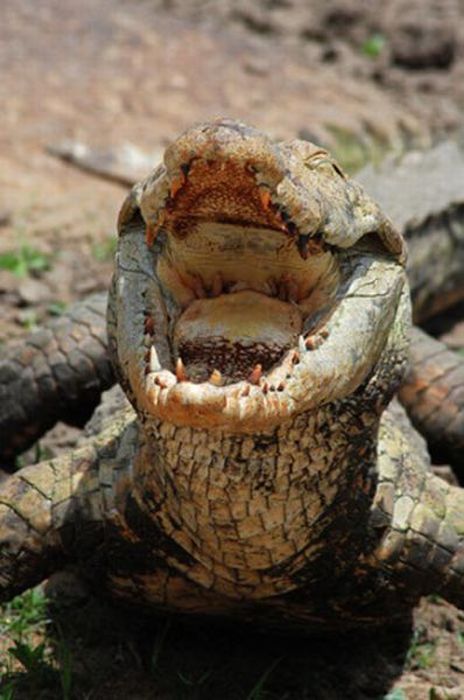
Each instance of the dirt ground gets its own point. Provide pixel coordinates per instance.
(361, 77)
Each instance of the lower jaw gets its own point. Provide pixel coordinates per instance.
(235, 337)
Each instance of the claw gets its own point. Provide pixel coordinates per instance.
(181, 374)
(256, 374)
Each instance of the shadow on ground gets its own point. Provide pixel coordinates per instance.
(102, 651)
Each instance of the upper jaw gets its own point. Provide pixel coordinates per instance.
(316, 366)
(294, 187)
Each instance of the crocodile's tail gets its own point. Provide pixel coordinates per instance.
(433, 395)
(56, 373)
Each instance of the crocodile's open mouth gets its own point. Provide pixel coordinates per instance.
(261, 280)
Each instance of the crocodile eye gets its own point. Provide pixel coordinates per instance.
(325, 165)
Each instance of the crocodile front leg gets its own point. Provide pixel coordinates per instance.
(422, 519)
(53, 512)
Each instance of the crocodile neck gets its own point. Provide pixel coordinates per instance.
(253, 512)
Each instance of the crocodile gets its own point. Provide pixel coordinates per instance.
(258, 323)
(58, 372)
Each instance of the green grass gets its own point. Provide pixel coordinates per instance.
(56, 308)
(354, 154)
(41, 453)
(30, 320)
(259, 692)
(421, 653)
(24, 260)
(374, 45)
(24, 614)
(104, 251)
(30, 661)
(396, 694)
(94, 649)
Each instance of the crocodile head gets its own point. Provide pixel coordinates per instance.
(254, 281)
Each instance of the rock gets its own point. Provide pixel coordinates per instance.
(454, 338)
(5, 217)
(421, 40)
(32, 291)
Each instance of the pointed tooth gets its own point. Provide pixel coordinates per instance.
(177, 184)
(273, 287)
(198, 287)
(265, 197)
(282, 293)
(149, 325)
(292, 291)
(181, 374)
(284, 287)
(301, 345)
(302, 245)
(310, 343)
(216, 378)
(147, 340)
(155, 364)
(256, 374)
(151, 231)
(217, 285)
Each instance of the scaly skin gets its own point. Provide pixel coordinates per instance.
(433, 395)
(285, 491)
(425, 195)
(55, 373)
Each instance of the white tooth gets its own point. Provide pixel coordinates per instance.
(155, 364)
(255, 374)
(216, 378)
(302, 345)
(181, 374)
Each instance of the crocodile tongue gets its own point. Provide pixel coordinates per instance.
(230, 335)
